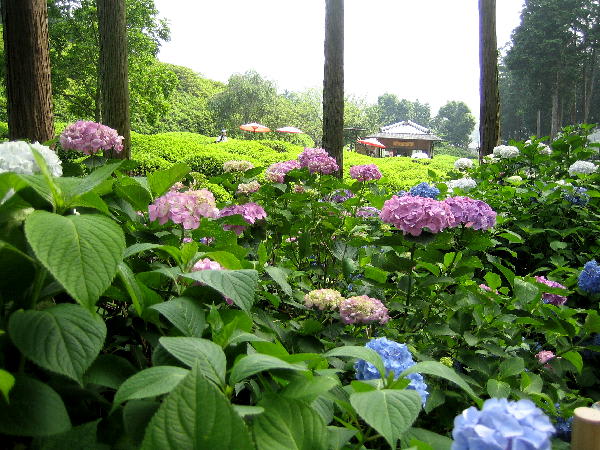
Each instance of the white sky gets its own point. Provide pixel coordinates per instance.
(415, 49)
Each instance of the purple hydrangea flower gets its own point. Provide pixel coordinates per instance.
(544, 356)
(251, 212)
(276, 172)
(317, 160)
(367, 211)
(340, 196)
(589, 278)
(414, 214)
(363, 309)
(555, 299)
(396, 359)
(186, 208)
(90, 137)
(366, 172)
(503, 425)
(472, 213)
(424, 190)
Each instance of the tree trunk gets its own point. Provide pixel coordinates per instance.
(539, 123)
(555, 121)
(333, 82)
(28, 85)
(113, 70)
(489, 95)
(589, 87)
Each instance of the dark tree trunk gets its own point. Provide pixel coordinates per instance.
(539, 123)
(333, 81)
(489, 110)
(28, 86)
(555, 120)
(113, 70)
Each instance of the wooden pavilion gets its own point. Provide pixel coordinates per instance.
(401, 139)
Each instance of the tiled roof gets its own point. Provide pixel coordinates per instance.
(406, 130)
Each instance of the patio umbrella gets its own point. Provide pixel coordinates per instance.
(289, 130)
(254, 127)
(372, 142)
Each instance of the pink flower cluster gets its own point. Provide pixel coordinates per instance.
(472, 213)
(544, 356)
(554, 299)
(207, 264)
(366, 172)
(363, 309)
(317, 160)
(186, 208)
(413, 214)
(276, 172)
(367, 211)
(90, 137)
(248, 188)
(323, 299)
(251, 212)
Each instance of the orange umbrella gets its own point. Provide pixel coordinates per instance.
(372, 142)
(254, 127)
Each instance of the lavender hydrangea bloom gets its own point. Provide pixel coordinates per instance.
(367, 172)
(310, 153)
(554, 299)
(363, 309)
(367, 211)
(276, 172)
(185, 208)
(90, 137)
(589, 278)
(414, 214)
(471, 213)
(424, 190)
(503, 425)
(251, 212)
(340, 196)
(317, 160)
(396, 359)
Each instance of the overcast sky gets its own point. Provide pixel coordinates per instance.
(415, 49)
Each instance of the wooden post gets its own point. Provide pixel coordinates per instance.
(586, 429)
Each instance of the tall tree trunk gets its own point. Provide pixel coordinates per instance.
(555, 121)
(539, 123)
(333, 82)
(489, 95)
(589, 86)
(113, 70)
(28, 85)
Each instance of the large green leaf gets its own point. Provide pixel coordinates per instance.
(161, 180)
(64, 338)
(196, 416)
(308, 389)
(82, 437)
(365, 353)
(279, 275)
(289, 424)
(436, 441)
(7, 381)
(185, 313)
(132, 287)
(257, 362)
(389, 411)
(109, 370)
(238, 285)
(150, 383)
(207, 356)
(498, 389)
(133, 192)
(81, 252)
(35, 409)
(94, 179)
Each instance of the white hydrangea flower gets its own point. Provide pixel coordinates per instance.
(463, 163)
(17, 157)
(419, 155)
(584, 167)
(545, 149)
(462, 183)
(506, 151)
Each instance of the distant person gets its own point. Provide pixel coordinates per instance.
(222, 137)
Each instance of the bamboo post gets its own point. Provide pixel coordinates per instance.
(586, 429)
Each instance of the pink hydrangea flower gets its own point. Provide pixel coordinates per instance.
(186, 208)
(554, 299)
(90, 137)
(208, 264)
(366, 172)
(472, 213)
(363, 309)
(276, 172)
(323, 299)
(544, 356)
(251, 212)
(412, 215)
(317, 160)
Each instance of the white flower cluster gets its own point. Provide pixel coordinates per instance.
(584, 167)
(463, 163)
(506, 151)
(418, 154)
(542, 148)
(462, 183)
(16, 156)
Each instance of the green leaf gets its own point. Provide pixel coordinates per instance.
(109, 370)
(94, 179)
(7, 381)
(54, 189)
(139, 248)
(136, 417)
(161, 180)
(498, 389)
(574, 358)
(238, 285)
(308, 389)
(436, 441)
(511, 367)
(279, 275)
(257, 362)
(390, 412)
(337, 437)
(133, 192)
(81, 252)
(513, 237)
(35, 409)
(369, 355)
(196, 416)
(442, 371)
(592, 322)
(132, 287)
(82, 437)
(64, 338)
(205, 355)
(288, 424)
(493, 280)
(226, 259)
(376, 274)
(525, 291)
(185, 313)
(150, 383)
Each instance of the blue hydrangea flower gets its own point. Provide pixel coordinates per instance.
(563, 426)
(578, 197)
(502, 424)
(589, 278)
(396, 358)
(424, 190)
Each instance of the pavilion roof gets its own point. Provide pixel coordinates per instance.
(406, 130)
